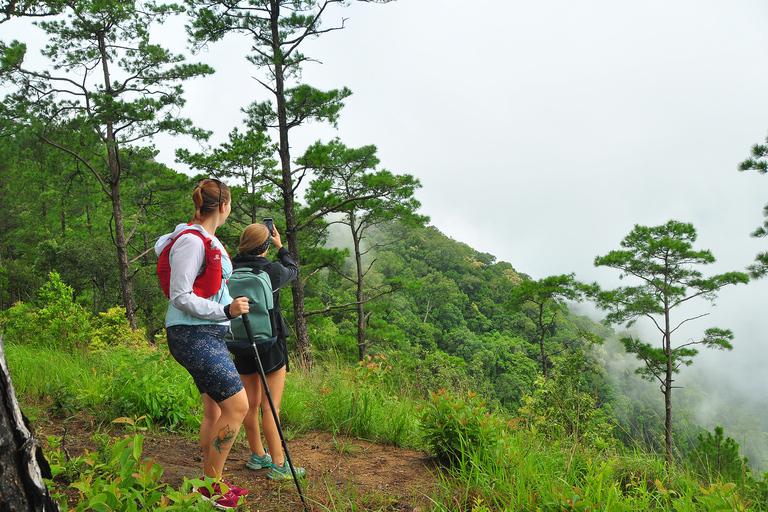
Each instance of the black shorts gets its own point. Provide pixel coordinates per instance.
(245, 360)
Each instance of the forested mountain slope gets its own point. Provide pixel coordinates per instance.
(435, 303)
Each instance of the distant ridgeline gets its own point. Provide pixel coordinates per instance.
(452, 307)
(459, 313)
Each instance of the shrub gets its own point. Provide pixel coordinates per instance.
(113, 329)
(425, 371)
(149, 383)
(718, 458)
(20, 324)
(58, 322)
(451, 425)
(558, 409)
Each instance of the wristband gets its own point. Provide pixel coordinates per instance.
(226, 312)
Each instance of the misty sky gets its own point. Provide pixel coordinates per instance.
(543, 131)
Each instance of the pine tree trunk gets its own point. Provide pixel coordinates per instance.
(21, 462)
(361, 318)
(667, 387)
(121, 243)
(668, 412)
(115, 176)
(297, 286)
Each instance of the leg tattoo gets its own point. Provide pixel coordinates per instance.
(223, 439)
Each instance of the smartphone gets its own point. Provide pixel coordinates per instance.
(269, 223)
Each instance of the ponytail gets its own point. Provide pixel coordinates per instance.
(208, 197)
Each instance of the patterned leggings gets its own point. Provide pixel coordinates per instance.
(201, 350)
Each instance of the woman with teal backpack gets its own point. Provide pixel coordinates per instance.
(254, 244)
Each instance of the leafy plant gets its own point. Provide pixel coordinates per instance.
(59, 460)
(716, 497)
(450, 425)
(373, 369)
(116, 479)
(133, 422)
(722, 497)
(113, 329)
(58, 321)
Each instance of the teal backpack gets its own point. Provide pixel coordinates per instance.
(256, 285)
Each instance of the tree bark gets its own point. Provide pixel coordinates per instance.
(297, 287)
(121, 243)
(361, 318)
(668, 389)
(21, 461)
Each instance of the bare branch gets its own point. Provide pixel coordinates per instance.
(267, 87)
(334, 208)
(341, 273)
(648, 362)
(688, 320)
(350, 306)
(137, 258)
(135, 224)
(83, 161)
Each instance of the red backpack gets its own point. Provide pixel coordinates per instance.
(206, 284)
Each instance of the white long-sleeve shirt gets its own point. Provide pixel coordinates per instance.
(187, 260)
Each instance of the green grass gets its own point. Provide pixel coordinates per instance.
(33, 370)
(112, 383)
(339, 400)
(532, 473)
(515, 469)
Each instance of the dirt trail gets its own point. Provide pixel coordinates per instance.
(339, 468)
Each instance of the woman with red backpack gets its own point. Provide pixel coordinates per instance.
(199, 311)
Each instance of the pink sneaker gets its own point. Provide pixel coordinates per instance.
(227, 501)
(237, 491)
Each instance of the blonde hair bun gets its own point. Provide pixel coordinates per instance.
(253, 236)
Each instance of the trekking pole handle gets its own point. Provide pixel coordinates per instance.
(246, 320)
(247, 325)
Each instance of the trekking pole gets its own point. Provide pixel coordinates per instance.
(249, 332)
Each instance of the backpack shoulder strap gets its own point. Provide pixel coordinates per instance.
(167, 248)
(202, 237)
